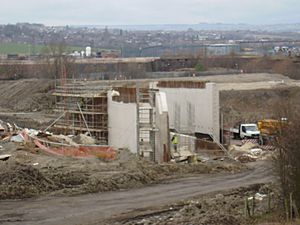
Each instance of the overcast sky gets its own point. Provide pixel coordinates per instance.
(135, 12)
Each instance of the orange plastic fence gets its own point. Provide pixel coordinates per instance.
(80, 152)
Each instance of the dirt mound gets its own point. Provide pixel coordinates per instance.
(138, 173)
(23, 181)
(31, 173)
(26, 95)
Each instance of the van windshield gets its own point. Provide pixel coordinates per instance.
(251, 128)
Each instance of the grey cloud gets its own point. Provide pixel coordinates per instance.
(149, 11)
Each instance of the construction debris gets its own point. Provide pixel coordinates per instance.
(17, 138)
(248, 152)
(245, 158)
(181, 155)
(84, 139)
(5, 157)
(1, 129)
(258, 196)
(61, 145)
(62, 139)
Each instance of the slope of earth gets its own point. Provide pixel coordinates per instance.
(27, 102)
(253, 105)
(25, 95)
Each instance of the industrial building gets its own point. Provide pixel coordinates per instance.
(222, 49)
(139, 115)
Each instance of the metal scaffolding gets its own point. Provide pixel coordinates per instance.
(84, 108)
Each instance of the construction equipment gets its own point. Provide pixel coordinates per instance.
(271, 126)
(270, 129)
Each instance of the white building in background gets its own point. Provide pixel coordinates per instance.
(88, 51)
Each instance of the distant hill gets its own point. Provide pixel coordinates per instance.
(206, 26)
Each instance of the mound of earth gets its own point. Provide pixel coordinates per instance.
(30, 173)
(26, 95)
(23, 181)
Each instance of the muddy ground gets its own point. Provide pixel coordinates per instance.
(222, 208)
(129, 205)
(30, 172)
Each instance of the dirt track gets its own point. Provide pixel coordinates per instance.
(96, 208)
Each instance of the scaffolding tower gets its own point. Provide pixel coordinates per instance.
(83, 108)
(146, 127)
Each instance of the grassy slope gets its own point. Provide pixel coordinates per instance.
(16, 48)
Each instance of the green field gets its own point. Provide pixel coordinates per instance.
(16, 48)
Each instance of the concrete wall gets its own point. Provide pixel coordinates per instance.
(194, 110)
(162, 137)
(122, 120)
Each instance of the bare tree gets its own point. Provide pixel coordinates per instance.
(287, 160)
(55, 58)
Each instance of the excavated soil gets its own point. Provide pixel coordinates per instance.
(30, 173)
(27, 102)
(23, 181)
(26, 95)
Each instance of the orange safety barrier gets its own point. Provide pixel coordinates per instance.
(103, 152)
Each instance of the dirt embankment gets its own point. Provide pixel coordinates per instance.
(28, 174)
(253, 105)
(27, 102)
(26, 95)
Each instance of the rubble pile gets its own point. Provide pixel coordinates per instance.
(23, 181)
(248, 152)
(84, 139)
